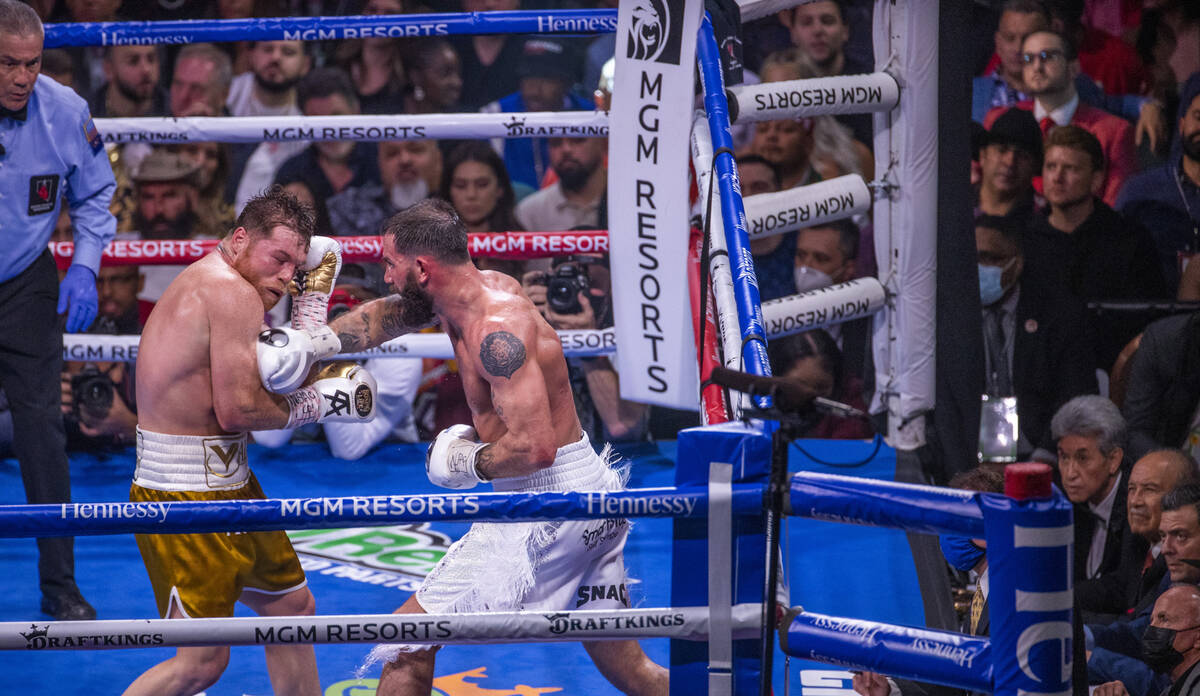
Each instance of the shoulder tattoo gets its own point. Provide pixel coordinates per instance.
(502, 354)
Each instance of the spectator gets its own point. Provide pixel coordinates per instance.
(1009, 155)
(1141, 570)
(1051, 66)
(1171, 644)
(1034, 344)
(1164, 387)
(1110, 63)
(327, 168)
(52, 150)
(1117, 649)
(269, 89)
(835, 149)
(788, 145)
(826, 255)
(774, 255)
(1166, 199)
(167, 195)
(476, 184)
(200, 84)
(821, 31)
(546, 74)
(396, 380)
(577, 295)
(1003, 82)
(575, 199)
(813, 359)
(211, 180)
(131, 88)
(1091, 436)
(87, 60)
(99, 400)
(1100, 255)
(375, 65)
(409, 170)
(436, 76)
(488, 60)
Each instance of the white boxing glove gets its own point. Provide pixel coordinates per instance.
(315, 281)
(285, 356)
(341, 391)
(450, 459)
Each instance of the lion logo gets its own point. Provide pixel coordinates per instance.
(649, 30)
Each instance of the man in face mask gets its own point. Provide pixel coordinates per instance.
(1033, 335)
(1171, 645)
(825, 256)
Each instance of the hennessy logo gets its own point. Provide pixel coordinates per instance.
(339, 403)
(226, 455)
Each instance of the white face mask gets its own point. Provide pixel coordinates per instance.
(808, 279)
(406, 195)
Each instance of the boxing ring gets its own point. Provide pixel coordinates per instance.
(713, 487)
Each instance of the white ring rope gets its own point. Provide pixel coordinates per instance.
(685, 623)
(124, 348)
(792, 209)
(257, 129)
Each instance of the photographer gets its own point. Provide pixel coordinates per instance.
(99, 402)
(575, 295)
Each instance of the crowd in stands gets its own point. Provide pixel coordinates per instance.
(1085, 122)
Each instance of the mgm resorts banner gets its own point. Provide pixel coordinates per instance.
(648, 200)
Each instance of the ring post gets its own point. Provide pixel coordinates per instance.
(1029, 536)
(747, 449)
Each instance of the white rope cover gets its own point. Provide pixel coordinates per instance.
(685, 623)
(819, 96)
(101, 348)
(818, 309)
(792, 209)
(257, 129)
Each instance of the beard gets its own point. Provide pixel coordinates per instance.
(159, 227)
(405, 195)
(134, 93)
(275, 87)
(416, 309)
(573, 175)
(1191, 146)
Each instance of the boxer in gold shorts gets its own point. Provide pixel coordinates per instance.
(199, 392)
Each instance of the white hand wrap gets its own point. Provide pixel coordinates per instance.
(285, 356)
(342, 391)
(315, 281)
(450, 460)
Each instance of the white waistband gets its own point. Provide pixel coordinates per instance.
(576, 467)
(190, 462)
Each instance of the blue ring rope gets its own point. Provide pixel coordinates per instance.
(327, 28)
(82, 519)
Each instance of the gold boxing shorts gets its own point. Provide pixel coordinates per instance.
(205, 574)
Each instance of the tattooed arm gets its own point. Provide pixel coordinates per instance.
(374, 322)
(508, 361)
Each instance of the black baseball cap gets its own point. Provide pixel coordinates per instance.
(546, 58)
(1019, 128)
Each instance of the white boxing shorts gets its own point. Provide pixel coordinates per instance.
(534, 566)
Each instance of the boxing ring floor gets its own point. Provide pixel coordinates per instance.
(835, 569)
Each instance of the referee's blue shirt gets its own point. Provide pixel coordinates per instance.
(54, 152)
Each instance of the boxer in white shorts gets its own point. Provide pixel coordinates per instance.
(526, 436)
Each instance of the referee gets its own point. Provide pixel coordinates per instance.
(49, 148)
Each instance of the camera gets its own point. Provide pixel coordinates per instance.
(564, 285)
(92, 392)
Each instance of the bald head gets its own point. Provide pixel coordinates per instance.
(1178, 608)
(1152, 476)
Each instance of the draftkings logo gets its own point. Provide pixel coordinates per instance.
(36, 637)
(656, 32)
(564, 623)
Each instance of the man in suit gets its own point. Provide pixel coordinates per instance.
(1051, 66)
(1137, 582)
(1090, 434)
(1034, 341)
(1164, 387)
